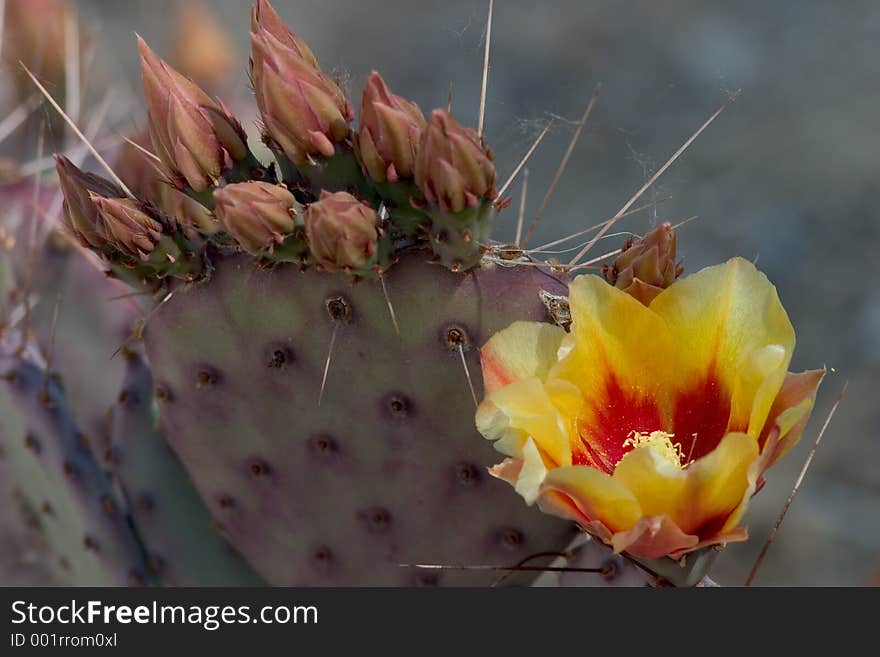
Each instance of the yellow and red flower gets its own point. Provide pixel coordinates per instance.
(649, 425)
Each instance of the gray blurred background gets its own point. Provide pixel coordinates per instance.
(787, 175)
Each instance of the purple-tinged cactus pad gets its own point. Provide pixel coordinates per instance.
(84, 524)
(183, 546)
(389, 468)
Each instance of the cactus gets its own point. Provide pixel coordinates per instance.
(55, 471)
(182, 545)
(303, 411)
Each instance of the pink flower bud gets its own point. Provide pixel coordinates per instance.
(195, 137)
(304, 112)
(81, 217)
(452, 168)
(127, 225)
(390, 131)
(342, 232)
(647, 266)
(258, 215)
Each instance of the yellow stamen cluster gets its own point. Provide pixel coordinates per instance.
(660, 442)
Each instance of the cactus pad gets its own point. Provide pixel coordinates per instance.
(183, 547)
(85, 525)
(388, 469)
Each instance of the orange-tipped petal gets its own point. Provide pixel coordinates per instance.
(789, 414)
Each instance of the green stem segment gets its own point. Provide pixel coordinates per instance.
(456, 238)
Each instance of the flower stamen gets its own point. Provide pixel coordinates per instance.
(660, 442)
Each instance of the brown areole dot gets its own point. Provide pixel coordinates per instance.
(455, 337)
(468, 475)
(511, 538)
(338, 308)
(33, 443)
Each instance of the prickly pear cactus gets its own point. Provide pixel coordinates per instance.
(314, 338)
(382, 469)
(182, 545)
(56, 477)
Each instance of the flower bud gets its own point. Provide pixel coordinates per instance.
(258, 215)
(127, 225)
(195, 137)
(647, 266)
(203, 50)
(34, 33)
(80, 215)
(390, 131)
(452, 168)
(342, 232)
(304, 112)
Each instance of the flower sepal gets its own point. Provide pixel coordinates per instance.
(687, 571)
(339, 172)
(407, 220)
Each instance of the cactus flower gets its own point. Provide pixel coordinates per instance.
(342, 232)
(128, 226)
(390, 131)
(650, 426)
(305, 113)
(647, 266)
(81, 217)
(195, 137)
(452, 168)
(258, 215)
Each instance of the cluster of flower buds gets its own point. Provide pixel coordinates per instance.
(390, 131)
(434, 179)
(343, 233)
(305, 113)
(124, 231)
(647, 266)
(148, 182)
(99, 216)
(258, 215)
(196, 138)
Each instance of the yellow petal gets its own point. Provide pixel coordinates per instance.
(618, 356)
(596, 496)
(723, 319)
(532, 474)
(522, 350)
(699, 498)
(529, 411)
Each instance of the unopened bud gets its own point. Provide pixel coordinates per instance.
(80, 215)
(452, 168)
(646, 266)
(128, 226)
(304, 112)
(390, 131)
(342, 232)
(258, 215)
(195, 137)
(202, 49)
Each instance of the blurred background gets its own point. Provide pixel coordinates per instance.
(786, 176)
